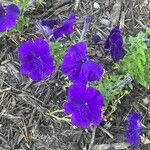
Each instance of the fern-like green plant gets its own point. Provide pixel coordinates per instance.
(106, 85)
(136, 63)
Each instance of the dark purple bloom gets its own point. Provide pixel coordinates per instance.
(66, 27)
(96, 39)
(77, 66)
(114, 43)
(84, 104)
(50, 30)
(35, 58)
(133, 128)
(8, 17)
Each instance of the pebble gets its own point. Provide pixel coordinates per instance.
(96, 5)
(105, 22)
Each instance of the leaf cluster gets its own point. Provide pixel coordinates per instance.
(136, 63)
(106, 87)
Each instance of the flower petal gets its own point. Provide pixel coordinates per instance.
(114, 43)
(79, 120)
(91, 71)
(75, 54)
(12, 14)
(133, 128)
(84, 104)
(66, 28)
(2, 19)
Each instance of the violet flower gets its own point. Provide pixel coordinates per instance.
(134, 128)
(51, 31)
(114, 43)
(8, 16)
(35, 59)
(78, 67)
(66, 27)
(84, 104)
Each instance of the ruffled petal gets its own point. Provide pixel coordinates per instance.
(66, 28)
(117, 52)
(114, 43)
(78, 120)
(91, 71)
(133, 128)
(75, 56)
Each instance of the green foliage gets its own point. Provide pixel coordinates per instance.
(136, 63)
(58, 51)
(106, 85)
(21, 4)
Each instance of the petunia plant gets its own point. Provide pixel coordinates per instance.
(8, 17)
(133, 128)
(78, 67)
(84, 104)
(36, 60)
(114, 43)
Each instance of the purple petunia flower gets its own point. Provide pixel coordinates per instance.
(66, 27)
(49, 29)
(35, 58)
(133, 128)
(8, 17)
(114, 43)
(84, 104)
(78, 67)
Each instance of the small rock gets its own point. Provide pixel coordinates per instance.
(96, 5)
(146, 100)
(105, 22)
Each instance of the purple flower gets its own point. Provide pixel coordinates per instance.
(96, 39)
(8, 17)
(114, 43)
(133, 128)
(78, 67)
(35, 58)
(66, 27)
(84, 104)
(49, 29)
